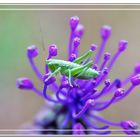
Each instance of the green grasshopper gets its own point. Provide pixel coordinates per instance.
(73, 69)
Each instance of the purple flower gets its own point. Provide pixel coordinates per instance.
(130, 127)
(122, 45)
(24, 83)
(135, 80)
(73, 107)
(137, 68)
(79, 31)
(52, 50)
(74, 22)
(105, 32)
(78, 129)
(32, 51)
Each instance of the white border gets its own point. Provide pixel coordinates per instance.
(69, 1)
(70, 138)
(66, 9)
(72, 9)
(107, 4)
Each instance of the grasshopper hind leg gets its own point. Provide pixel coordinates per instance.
(71, 79)
(85, 68)
(75, 72)
(84, 58)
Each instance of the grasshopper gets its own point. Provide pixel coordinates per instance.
(76, 69)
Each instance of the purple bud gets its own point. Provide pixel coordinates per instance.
(78, 129)
(107, 82)
(90, 102)
(129, 124)
(137, 68)
(76, 41)
(119, 92)
(94, 82)
(32, 51)
(105, 71)
(118, 83)
(105, 32)
(52, 50)
(50, 80)
(72, 57)
(130, 127)
(94, 90)
(24, 83)
(95, 66)
(74, 22)
(107, 56)
(79, 31)
(65, 84)
(135, 80)
(123, 45)
(93, 47)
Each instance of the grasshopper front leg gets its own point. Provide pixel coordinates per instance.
(54, 73)
(79, 69)
(70, 78)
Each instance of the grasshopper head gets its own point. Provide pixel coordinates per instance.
(52, 65)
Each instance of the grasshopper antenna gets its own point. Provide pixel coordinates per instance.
(42, 39)
(43, 45)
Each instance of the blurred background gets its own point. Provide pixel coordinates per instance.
(21, 28)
